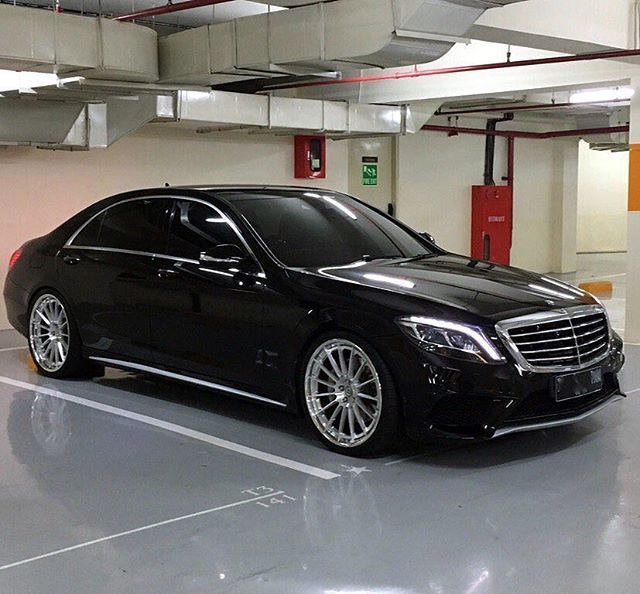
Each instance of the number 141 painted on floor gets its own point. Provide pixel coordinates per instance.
(279, 497)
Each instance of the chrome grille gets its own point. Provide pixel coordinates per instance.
(570, 339)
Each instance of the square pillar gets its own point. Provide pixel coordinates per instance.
(566, 153)
(632, 324)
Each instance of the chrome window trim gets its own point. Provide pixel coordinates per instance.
(69, 243)
(503, 327)
(557, 422)
(131, 252)
(185, 378)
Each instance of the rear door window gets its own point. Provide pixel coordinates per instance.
(135, 225)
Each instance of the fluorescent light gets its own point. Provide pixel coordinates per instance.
(602, 95)
(24, 81)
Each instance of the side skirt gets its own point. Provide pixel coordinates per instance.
(185, 378)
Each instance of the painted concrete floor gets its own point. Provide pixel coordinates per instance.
(130, 485)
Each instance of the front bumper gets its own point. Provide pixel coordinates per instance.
(446, 399)
(507, 430)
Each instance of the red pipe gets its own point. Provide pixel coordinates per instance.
(533, 106)
(167, 8)
(511, 149)
(476, 68)
(523, 134)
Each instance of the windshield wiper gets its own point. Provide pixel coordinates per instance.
(370, 258)
(419, 257)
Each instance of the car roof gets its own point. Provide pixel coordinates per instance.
(242, 188)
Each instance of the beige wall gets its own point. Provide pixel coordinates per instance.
(434, 193)
(40, 189)
(603, 181)
(381, 195)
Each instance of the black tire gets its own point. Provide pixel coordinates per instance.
(75, 365)
(386, 432)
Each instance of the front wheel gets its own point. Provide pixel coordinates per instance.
(349, 395)
(54, 341)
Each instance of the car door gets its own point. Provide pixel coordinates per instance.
(107, 270)
(207, 320)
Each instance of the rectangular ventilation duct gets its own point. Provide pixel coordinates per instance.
(321, 37)
(45, 41)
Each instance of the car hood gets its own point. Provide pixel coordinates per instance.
(481, 288)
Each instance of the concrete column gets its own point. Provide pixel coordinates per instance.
(569, 213)
(566, 225)
(632, 328)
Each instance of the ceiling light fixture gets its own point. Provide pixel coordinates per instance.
(602, 95)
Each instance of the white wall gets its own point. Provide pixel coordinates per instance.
(434, 193)
(41, 189)
(603, 182)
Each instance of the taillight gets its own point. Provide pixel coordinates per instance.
(15, 257)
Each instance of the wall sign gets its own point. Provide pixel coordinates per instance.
(369, 171)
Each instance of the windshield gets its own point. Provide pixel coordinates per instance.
(311, 229)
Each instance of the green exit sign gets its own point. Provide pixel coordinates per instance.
(369, 171)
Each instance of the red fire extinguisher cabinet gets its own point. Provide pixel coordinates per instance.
(492, 223)
(310, 157)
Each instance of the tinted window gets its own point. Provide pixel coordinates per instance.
(89, 234)
(323, 229)
(138, 225)
(196, 227)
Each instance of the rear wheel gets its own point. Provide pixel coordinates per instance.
(54, 341)
(349, 395)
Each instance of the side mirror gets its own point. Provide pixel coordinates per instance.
(428, 237)
(223, 254)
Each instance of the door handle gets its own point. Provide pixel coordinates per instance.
(71, 260)
(167, 272)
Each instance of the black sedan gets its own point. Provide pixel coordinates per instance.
(312, 301)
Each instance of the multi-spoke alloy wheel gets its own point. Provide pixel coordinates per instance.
(343, 393)
(49, 333)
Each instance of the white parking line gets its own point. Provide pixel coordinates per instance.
(179, 429)
(7, 349)
(89, 543)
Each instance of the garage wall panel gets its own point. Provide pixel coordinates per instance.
(537, 206)
(43, 188)
(603, 181)
(434, 193)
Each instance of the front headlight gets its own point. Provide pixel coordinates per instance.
(451, 339)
